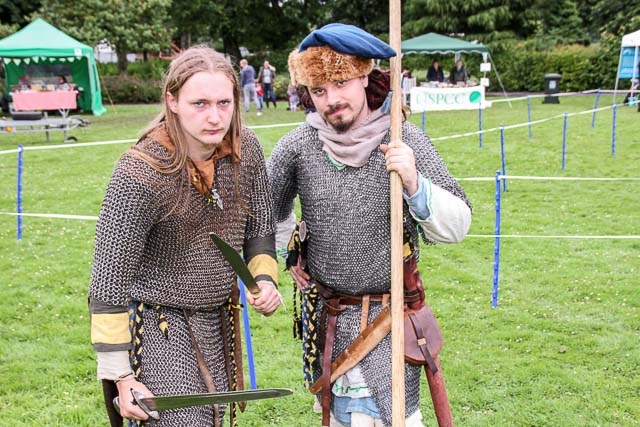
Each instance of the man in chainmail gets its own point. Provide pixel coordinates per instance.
(162, 298)
(338, 163)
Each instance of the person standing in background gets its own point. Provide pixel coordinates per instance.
(248, 84)
(267, 76)
(435, 73)
(458, 74)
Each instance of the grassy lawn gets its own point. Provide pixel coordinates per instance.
(561, 349)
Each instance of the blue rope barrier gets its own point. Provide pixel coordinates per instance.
(19, 190)
(529, 117)
(595, 109)
(503, 160)
(496, 247)
(613, 130)
(480, 124)
(247, 336)
(564, 140)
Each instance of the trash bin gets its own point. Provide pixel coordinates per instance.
(551, 86)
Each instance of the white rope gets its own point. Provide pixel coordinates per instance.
(120, 141)
(484, 236)
(79, 144)
(16, 150)
(540, 236)
(57, 216)
(547, 178)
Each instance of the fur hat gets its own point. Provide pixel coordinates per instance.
(336, 52)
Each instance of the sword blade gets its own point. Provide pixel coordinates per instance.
(236, 261)
(161, 403)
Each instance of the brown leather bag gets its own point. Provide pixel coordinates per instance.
(422, 336)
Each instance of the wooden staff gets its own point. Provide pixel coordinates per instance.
(397, 289)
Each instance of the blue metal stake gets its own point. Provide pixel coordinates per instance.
(424, 121)
(480, 124)
(247, 336)
(19, 195)
(504, 162)
(564, 140)
(496, 247)
(613, 130)
(529, 116)
(595, 107)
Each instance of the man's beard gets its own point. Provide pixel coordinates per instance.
(337, 122)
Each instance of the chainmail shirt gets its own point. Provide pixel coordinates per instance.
(347, 213)
(152, 246)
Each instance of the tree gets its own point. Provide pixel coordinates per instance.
(561, 22)
(14, 12)
(370, 15)
(129, 26)
(482, 19)
(615, 17)
(192, 20)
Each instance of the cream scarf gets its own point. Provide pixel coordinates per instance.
(354, 147)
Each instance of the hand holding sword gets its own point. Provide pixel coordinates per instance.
(263, 295)
(149, 405)
(267, 301)
(130, 408)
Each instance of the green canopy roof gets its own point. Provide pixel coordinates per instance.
(41, 39)
(41, 42)
(431, 43)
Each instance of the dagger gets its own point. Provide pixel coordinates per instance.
(151, 405)
(236, 261)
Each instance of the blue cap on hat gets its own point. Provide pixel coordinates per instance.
(350, 40)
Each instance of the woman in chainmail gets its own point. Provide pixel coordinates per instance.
(162, 298)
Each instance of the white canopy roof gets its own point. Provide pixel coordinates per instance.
(632, 39)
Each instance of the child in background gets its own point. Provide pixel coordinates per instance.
(259, 94)
(294, 100)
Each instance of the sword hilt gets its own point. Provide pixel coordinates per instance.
(137, 400)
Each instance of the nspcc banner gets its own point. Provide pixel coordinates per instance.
(451, 98)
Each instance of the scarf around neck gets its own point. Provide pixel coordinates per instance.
(354, 147)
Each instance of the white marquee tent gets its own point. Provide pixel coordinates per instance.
(628, 67)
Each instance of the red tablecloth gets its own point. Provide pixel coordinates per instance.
(44, 100)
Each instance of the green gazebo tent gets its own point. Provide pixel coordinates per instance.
(431, 43)
(42, 48)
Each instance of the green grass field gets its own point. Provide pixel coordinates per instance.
(561, 349)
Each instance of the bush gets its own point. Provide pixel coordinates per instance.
(131, 90)
(152, 69)
(522, 67)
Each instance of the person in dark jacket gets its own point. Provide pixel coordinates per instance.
(435, 73)
(458, 73)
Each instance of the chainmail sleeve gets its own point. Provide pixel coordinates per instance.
(259, 245)
(282, 169)
(131, 206)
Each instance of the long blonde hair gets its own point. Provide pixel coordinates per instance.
(182, 68)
